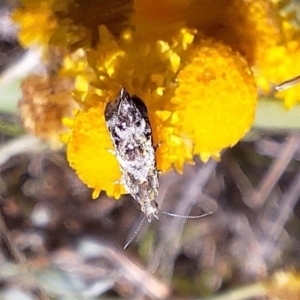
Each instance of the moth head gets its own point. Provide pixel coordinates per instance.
(112, 107)
(150, 209)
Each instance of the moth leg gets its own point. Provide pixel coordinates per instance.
(112, 151)
(157, 145)
(117, 182)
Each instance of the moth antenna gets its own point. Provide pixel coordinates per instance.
(135, 233)
(184, 216)
(287, 84)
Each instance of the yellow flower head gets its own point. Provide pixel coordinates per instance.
(215, 98)
(88, 153)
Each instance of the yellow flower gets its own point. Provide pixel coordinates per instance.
(215, 98)
(88, 153)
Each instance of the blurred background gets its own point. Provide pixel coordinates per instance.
(58, 243)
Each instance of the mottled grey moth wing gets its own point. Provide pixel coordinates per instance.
(130, 130)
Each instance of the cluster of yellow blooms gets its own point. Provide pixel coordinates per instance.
(197, 65)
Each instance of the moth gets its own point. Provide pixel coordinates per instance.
(131, 133)
(130, 130)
